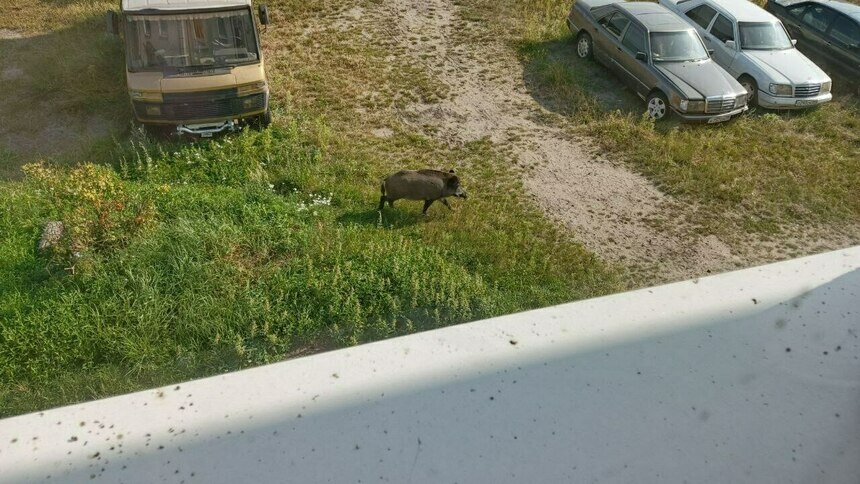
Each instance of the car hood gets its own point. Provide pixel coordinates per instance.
(700, 79)
(787, 65)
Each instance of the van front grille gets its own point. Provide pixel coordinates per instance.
(206, 105)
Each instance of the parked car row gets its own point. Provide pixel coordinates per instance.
(704, 60)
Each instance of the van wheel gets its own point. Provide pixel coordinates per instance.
(658, 106)
(751, 87)
(584, 46)
(262, 121)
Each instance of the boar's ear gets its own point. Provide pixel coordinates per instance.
(451, 171)
(453, 182)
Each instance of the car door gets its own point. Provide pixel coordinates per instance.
(722, 30)
(792, 19)
(636, 72)
(609, 42)
(816, 20)
(844, 36)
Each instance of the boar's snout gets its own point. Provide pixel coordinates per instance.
(461, 192)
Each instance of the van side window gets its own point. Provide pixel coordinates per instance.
(616, 23)
(634, 40)
(702, 15)
(818, 17)
(798, 10)
(723, 29)
(845, 32)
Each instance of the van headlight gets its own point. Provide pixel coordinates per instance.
(149, 96)
(252, 88)
(825, 87)
(689, 106)
(780, 89)
(153, 110)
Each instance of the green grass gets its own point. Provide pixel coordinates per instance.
(238, 265)
(764, 171)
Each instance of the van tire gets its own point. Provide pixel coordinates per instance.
(262, 121)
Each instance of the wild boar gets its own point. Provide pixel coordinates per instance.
(427, 185)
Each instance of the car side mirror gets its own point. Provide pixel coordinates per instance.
(112, 22)
(730, 44)
(793, 41)
(642, 56)
(264, 14)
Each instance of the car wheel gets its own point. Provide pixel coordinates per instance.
(584, 46)
(658, 106)
(751, 87)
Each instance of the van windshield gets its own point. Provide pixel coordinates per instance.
(677, 46)
(187, 41)
(764, 36)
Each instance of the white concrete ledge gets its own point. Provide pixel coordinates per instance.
(751, 376)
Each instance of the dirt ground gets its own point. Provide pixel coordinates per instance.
(615, 212)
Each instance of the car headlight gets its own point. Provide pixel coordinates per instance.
(153, 110)
(150, 96)
(825, 87)
(780, 89)
(251, 88)
(740, 101)
(691, 106)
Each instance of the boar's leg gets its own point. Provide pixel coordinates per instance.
(381, 203)
(445, 202)
(427, 204)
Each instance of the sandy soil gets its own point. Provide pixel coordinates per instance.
(614, 211)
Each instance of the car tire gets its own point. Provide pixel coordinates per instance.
(584, 46)
(752, 89)
(658, 106)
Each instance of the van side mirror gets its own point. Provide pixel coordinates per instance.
(642, 56)
(264, 14)
(731, 44)
(112, 21)
(793, 41)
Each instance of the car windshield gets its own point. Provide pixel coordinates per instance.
(677, 47)
(764, 36)
(162, 42)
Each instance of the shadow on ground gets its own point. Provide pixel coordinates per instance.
(64, 91)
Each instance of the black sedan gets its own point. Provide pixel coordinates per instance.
(827, 31)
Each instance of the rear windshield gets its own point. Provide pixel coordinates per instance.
(677, 47)
(162, 42)
(764, 36)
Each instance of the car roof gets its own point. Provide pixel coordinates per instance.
(142, 5)
(848, 9)
(654, 16)
(745, 11)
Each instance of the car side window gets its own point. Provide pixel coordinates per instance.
(797, 11)
(723, 29)
(616, 23)
(845, 31)
(818, 17)
(634, 39)
(702, 15)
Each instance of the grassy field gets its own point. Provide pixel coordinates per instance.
(765, 173)
(190, 259)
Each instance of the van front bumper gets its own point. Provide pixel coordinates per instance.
(766, 100)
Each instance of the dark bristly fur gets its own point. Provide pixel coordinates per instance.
(427, 185)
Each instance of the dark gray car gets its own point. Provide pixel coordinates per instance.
(657, 54)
